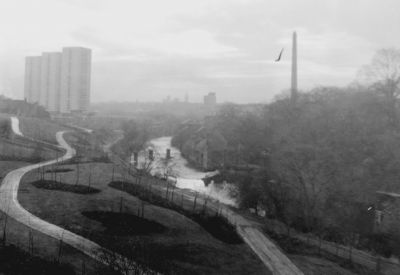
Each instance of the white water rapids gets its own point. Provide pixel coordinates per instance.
(187, 177)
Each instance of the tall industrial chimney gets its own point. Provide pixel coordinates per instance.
(293, 95)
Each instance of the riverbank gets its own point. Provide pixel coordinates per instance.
(187, 176)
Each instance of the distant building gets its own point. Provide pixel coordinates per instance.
(387, 212)
(32, 78)
(210, 99)
(50, 81)
(59, 81)
(75, 79)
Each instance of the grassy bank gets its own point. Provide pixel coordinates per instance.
(40, 129)
(182, 247)
(215, 224)
(8, 166)
(20, 238)
(301, 253)
(16, 261)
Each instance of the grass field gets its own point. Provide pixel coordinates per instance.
(16, 261)
(40, 129)
(215, 224)
(44, 247)
(309, 258)
(183, 247)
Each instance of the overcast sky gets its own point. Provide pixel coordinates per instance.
(147, 50)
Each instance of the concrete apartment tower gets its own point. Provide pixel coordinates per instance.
(54, 83)
(50, 81)
(32, 78)
(75, 79)
(59, 81)
(28, 79)
(293, 90)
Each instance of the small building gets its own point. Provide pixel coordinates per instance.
(210, 99)
(387, 212)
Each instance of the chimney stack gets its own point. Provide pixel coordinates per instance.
(293, 95)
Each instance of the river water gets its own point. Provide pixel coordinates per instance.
(187, 177)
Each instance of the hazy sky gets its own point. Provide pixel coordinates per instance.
(146, 50)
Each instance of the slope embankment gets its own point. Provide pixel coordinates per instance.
(9, 204)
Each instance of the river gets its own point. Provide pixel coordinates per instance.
(187, 177)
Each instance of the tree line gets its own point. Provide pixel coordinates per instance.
(316, 164)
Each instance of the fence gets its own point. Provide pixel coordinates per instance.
(265, 249)
(373, 262)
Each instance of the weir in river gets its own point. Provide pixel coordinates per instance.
(186, 176)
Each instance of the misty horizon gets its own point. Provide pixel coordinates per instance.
(146, 52)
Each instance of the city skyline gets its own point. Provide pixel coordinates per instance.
(142, 53)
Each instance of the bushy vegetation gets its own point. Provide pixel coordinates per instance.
(59, 170)
(136, 134)
(138, 131)
(219, 227)
(317, 162)
(216, 224)
(65, 187)
(124, 223)
(22, 108)
(5, 128)
(88, 147)
(41, 129)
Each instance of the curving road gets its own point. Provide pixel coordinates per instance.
(10, 205)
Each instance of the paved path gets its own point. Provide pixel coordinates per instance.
(86, 130)
(364, 258)
(272, 257)
(15, 126)
(17, 131)
(10, 205)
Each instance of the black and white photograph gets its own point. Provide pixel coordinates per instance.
(199, 137)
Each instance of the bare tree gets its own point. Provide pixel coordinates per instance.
(310, 172)
(170, 174)
(113, 172)
(143, 168)
(383, 75)
(90, 175)
(60, 247)
(77, 173)
(5, 229)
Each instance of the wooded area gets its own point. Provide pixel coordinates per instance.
(316, 164)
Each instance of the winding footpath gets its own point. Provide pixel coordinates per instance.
(271, 256)
(15, 126)
(10, 205)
